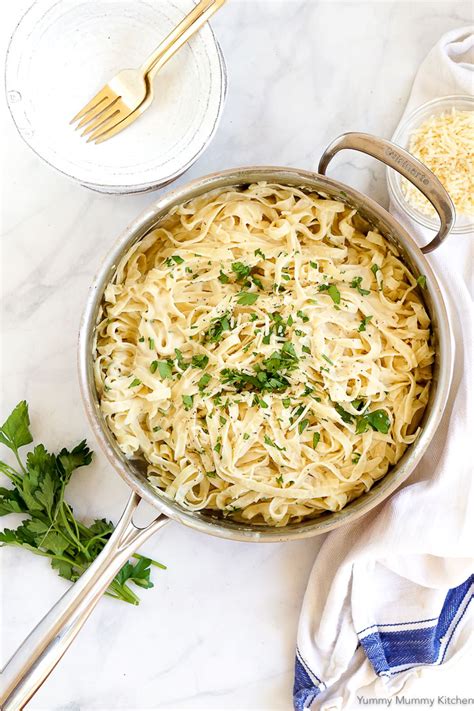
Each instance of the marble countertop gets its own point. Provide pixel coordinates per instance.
(218, 630)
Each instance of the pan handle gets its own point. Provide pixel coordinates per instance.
(37, 656)
(406, 164)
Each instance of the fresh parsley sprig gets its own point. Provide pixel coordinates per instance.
(51, 529)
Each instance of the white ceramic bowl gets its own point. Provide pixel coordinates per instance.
(464, 223)
(62, 52)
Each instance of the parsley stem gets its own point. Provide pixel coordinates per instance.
(15, 451)
(72, 535)
(10, 473)
(152, 562)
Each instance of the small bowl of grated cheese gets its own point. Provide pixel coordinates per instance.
(440, 134)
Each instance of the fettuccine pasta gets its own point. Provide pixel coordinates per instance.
(266, 352)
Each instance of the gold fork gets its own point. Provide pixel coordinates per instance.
(130, 92)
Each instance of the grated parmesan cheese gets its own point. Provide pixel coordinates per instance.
(445, 144)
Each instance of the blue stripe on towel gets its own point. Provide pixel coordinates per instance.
(304, 688)
(387, 650)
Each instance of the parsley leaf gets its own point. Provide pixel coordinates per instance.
(164, 369)
(332, 290)
(303, 425)
(188, 401)
(316, 438)
(421, 281)
(174, 258)
(199, 361)
(203, 381)
(343, 414)
(356, 284)
(378, 420)
(217, 328)
(364, 322)
(15, 431)
(247, 298)
(241, 271)
(271, 443)
(302, 316)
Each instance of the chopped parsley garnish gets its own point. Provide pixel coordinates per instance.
(246, 435)
(303, 425)
(316, 438)
(134, 383)
(290, 320)
(271, 443)
(180, 360)
(211, 475)
(355, 458)
(332, 290)
(279, 479)
(164, 368)
(253, 316)
(314, 265)
(217, 328)
(378, 420)
(343, 414)
(269, 375)
(247, 298)
(241, 271)
(421, 281)
(279, 324)
(204, 381)
(302, 316)
(356, 284)
(188, 401)
(218, 446)
(374, 269)
(258, 253)
(286, 402)
(141, 340)
(298, 332)
(151, 343)
(154, 366)
(174, 258)
(256, 281)
(328, 360)
(199, 361)
(222, 420)
(223, 278)
(286, 277)
(364, 322)
(306, 349)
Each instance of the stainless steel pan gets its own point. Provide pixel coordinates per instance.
(42, 650)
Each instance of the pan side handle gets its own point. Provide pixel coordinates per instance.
(37, 656)
(405, 164)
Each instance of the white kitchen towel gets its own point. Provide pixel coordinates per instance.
(389, 595)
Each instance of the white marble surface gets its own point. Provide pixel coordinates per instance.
(218, 630)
